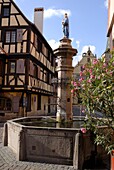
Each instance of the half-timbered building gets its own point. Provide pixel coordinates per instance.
(27, 65)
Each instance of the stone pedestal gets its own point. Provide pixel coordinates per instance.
(64, 54)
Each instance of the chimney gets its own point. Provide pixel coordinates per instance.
(38, 18)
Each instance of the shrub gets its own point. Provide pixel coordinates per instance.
(95, 87)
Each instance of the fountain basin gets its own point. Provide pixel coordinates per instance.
(44, 144)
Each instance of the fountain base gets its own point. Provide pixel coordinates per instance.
(49, 144)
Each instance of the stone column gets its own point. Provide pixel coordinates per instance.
(64, 54)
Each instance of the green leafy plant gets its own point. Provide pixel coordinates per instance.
(96, 90)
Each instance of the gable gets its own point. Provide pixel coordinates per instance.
(15, 17)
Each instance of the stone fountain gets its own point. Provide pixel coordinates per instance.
(52, 144)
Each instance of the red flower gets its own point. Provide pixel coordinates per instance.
(83, 130)
(95, 61)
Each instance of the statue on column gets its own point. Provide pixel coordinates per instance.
(65, 24)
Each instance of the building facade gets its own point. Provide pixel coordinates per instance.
(27, 64)
(110, 30)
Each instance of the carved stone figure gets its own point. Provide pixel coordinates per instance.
(65, 24)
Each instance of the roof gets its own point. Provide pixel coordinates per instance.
(32, 24)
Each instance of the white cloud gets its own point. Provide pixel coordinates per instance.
(78, 44)
(106, 3)
(48, 13)
(54, 44)
(72, 40)
(84, 49)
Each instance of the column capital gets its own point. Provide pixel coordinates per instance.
(65, 47)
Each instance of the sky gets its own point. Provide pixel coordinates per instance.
(87, 22)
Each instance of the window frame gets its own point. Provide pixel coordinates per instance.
(35, 71)
(6, 13)
(28, 108)
(5, 104)
(39, 98)
(10, 62)
(88, 59)
(10, 36)
(39, 46)
(1, 67)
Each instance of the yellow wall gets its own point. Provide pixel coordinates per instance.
(44, 101)
(34, 103)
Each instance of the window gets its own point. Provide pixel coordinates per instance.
(49, 55)
(1, 66)
(13, 36)
(43, 74)
(35, 71)
(88, 60)
(6, 11)
(12, 67)
(82, 68)
(39, 46)
(39, 102)
(8, 104)
(28, 103)
(5, 104)
(10, 36)
(47, 77)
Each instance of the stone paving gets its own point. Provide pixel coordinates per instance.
(8, 160)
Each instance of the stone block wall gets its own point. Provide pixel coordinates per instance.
(50, 145)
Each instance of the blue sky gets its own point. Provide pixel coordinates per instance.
(88, 22)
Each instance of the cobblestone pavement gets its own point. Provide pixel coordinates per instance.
(8, 160)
